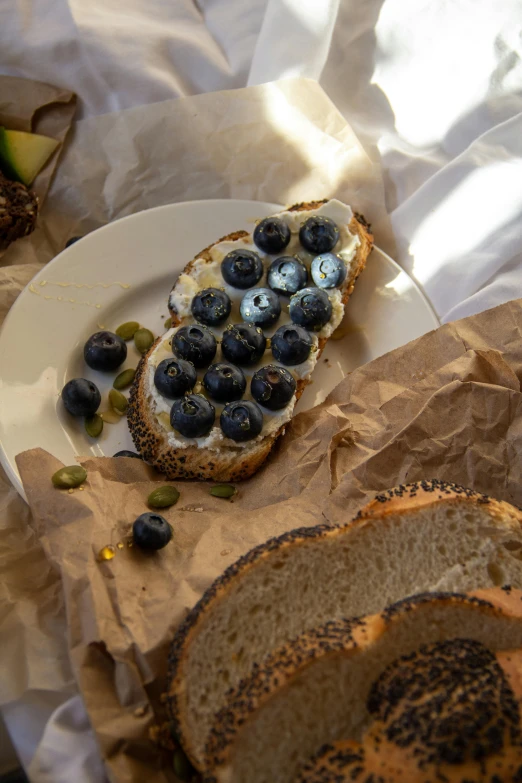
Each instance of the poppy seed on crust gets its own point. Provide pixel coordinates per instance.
(445, 712)
(409, 491)
(477, 701)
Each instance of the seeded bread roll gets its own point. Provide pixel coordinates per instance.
(449, 712)
(18, 211)
(318, 688)
(228, 461)
(430, 536)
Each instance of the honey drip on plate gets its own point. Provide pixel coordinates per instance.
(69, 300)
(84, 285)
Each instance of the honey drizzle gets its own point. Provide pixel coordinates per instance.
(33, 290)
(84, 285)
(69, 300)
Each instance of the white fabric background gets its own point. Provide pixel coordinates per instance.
(433, 88)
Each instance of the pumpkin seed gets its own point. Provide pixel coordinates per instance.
(182, 766)
(172, 727)
(163, 497)
(223, 491)
(127, 330)
(69, 477)
(143, 340)
(168, 323)
(110, 417)
(164, 418)
(124, 379)
(94, 425)
(118, 401)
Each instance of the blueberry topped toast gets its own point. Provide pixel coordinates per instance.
(251, 315)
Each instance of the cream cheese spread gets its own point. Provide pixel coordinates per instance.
(205, 274)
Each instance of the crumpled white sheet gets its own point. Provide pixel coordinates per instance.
(433, 90)
(60, 730)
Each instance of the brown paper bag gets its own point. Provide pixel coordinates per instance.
(447, 406)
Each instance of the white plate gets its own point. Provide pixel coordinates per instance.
(124, 271)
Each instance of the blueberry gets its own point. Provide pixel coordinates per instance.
(81, 397)
(151, 531)
(174, 377)
(242, 268)
(318, 234)
(291, 344)
(272, 235)
(195, 344)
(241, 420)
(261, 307)
(287, 275)
(72, 240)
(126, 453)
(328, 270)
(211, 306)
(273, 387)
(192, 416)
(224, 382)
(105, 351)
(311, 308)
(243, 344)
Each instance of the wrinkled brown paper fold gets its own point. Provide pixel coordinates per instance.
(36, 107)
(447, 405)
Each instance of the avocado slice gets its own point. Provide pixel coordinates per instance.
(23, 155)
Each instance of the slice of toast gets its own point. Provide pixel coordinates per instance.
(448, 712)
(319, 688)
(215, 456)
(428, 536)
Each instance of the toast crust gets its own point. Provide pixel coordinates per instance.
(405, 741)
(227, 464)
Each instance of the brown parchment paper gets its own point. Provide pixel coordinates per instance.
(447, 405)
